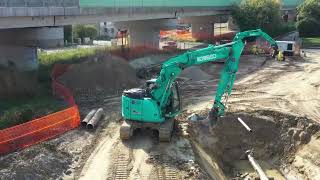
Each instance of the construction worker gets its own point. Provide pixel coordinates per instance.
(254, 50)
(280, 56)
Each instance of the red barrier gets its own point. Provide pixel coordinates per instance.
(46, 127)
(38, 130)
(57, 88)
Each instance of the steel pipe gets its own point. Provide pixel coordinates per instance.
(85, 121)
(95, 119)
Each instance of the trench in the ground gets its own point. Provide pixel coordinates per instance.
(220, 150)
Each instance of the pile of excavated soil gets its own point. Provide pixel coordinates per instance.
(105, 73)
(275, 139)
(195, 73)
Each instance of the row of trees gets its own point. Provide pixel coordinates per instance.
(266, 14)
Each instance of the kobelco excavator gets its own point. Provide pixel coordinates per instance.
(156, 105)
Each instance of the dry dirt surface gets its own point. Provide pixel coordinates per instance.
(278, 100)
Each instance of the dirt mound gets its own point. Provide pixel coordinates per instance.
(103, 73)
(16, 84)
(275, 139)
(195, 73)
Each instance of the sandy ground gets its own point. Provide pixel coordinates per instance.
(278, 99)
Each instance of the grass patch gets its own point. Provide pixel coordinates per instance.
(311, 42)
(18, 111)
(66, 56)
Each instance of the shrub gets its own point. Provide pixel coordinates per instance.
(254, 14)
(82, 31)
(308, 19)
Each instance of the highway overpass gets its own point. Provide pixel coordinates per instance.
(26, 24)
(37, 13)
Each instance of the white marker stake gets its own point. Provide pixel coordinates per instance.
(244, 124)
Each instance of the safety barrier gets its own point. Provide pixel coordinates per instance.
(58, 89)
(44, 128)
(38, 130)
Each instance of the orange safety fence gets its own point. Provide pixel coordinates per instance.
(44, 128)
(59, 89)
(38, 130)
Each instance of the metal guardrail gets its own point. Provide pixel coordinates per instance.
(39, 3)
(171, 3)
(127, 3)
(157, 3)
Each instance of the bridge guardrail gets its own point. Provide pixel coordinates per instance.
(39, 3)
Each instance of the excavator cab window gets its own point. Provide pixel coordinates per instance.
(176, 99)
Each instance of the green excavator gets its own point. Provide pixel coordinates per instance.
(158, 102)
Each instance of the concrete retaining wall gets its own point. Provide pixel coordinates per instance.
(18, 57)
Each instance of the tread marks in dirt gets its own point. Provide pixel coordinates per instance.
(166, 172)
(121, 167)
(247, 94)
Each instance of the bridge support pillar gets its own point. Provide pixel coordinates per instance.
(202, 27)
(18, 47)
(145, 33)
(202, 31)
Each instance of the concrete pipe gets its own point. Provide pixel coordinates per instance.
(95, 119)
(89, 116)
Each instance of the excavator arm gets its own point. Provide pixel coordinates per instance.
(230, 52)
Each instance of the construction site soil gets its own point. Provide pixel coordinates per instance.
(106, 73)
(278, 100)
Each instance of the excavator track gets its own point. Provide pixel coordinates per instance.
(165, 130)
(126, 130)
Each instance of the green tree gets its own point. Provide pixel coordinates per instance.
(263, 14)
(308, 19)
(82, 31)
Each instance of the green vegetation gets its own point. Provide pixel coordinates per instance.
(308, 20)
(21, 110)
(82, 31)
(66, 56)
(311, 42)
(263, 14)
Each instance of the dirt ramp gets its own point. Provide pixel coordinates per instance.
(102, 73)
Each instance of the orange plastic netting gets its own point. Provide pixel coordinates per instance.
(38, 130)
